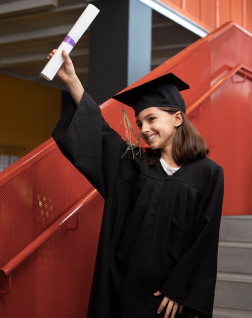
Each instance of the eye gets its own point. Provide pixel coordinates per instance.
(150, 118)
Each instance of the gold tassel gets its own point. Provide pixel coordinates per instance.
(129, 129)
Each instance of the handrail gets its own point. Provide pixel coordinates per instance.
(26, 161)
(176, 59)
(7, 269)
(216, 86)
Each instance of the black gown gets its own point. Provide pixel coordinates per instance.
(158, 232)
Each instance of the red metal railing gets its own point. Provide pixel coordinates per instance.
(23, 163)
(236, 69)
(7, 269)
(46, 235)
(51, 230)
(174, 61)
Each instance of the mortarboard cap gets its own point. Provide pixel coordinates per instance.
(160, 92)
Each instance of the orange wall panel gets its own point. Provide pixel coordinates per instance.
(224, 12)
(177, 2)
(236, 11)
(193, 7)
(211, 14)
(208, 13)
(249, 16)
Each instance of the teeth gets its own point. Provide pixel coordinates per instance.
(151, 137)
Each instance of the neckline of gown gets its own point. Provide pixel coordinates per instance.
(156, 171)
(175, 173)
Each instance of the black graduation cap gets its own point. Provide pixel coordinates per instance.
(160, 92)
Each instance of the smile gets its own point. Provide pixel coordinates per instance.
(151, 137)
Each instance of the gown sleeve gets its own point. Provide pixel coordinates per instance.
(192, 281)
(95, 149)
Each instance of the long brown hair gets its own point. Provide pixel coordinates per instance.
(188, 144)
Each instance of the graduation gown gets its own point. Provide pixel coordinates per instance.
(158, 232)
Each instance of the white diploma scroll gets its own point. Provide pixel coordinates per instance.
(70, 40)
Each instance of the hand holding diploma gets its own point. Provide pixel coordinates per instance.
(70, 40)
(67, 73)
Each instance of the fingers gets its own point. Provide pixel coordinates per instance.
(65, 55)
(169, 308)
(51, 54)
(163, 304)
(172, 306)
(68, 62)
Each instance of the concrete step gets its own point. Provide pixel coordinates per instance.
(231, 313)
(233, 291)
(236, 229)
(235, 257)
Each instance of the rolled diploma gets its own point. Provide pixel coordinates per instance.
(70, 40)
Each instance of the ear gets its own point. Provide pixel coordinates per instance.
(178, 119)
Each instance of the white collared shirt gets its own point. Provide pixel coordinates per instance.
(169, 170)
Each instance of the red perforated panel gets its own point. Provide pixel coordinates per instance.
(56, 280)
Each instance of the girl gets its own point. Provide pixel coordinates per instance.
(158, 245)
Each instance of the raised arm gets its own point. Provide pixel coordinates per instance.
(87, 140)
(69, 77)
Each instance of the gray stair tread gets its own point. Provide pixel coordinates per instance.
(243, 217)
(235, 244)
(236, 229)
(234, 277)
(231, 313)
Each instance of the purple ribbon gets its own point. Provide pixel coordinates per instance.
(69, 40)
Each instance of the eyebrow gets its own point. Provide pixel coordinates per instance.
(146, 117)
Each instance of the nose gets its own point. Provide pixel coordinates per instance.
(145, 128)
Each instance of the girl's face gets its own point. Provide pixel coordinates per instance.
(157, 127)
